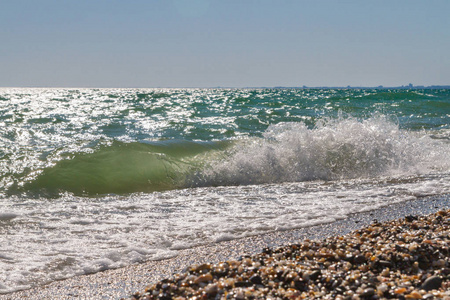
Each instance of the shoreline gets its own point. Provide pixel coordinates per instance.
(407, 258)
(124, 282)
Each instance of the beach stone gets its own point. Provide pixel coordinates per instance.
(382, 288)
(414, 295)
(359, 259)
(432, 283)
(315, 274)
(164, 296)
(410, 218)
(202, 267)
(203, 278)
(211, 289)
(256, 279)
(240, 295)
(243, 284)
(300, 285)
(369, 292)
(400, 290)
(385, 263)
(439, 263)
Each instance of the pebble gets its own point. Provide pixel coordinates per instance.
(432, 283)
(414, 295)
(203, 278)
(404, 259)
(367, 293)
(256, 279)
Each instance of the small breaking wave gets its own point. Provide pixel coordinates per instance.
(339, 148)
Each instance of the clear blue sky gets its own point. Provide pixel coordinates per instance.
(231, 43)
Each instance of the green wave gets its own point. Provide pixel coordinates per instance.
(125, 168)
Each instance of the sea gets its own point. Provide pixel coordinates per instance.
(96, 179)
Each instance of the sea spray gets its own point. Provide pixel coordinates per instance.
(336, 148)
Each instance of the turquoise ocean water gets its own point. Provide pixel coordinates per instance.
(92, 179)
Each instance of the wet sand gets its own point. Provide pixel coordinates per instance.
(124, 282)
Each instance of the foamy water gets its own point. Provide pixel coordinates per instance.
(44, 240)
(88, 190)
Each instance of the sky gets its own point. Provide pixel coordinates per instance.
(227, 43)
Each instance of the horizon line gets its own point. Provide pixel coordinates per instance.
(409, 86)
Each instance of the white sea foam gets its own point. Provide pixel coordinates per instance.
(343, 148)
(49, 242)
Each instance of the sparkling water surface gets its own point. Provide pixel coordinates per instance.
(92, 179)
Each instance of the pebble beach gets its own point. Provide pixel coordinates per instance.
(406, 258)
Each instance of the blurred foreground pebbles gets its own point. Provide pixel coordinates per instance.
(403, 259)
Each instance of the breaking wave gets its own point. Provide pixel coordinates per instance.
(334, 149)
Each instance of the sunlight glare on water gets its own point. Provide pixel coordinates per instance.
(93, 179)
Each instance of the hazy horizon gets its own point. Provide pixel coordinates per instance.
(200, 43)
(233, 87)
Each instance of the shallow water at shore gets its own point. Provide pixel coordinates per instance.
(75, 236)
(123, 282)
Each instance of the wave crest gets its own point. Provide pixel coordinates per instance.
(341, 148)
